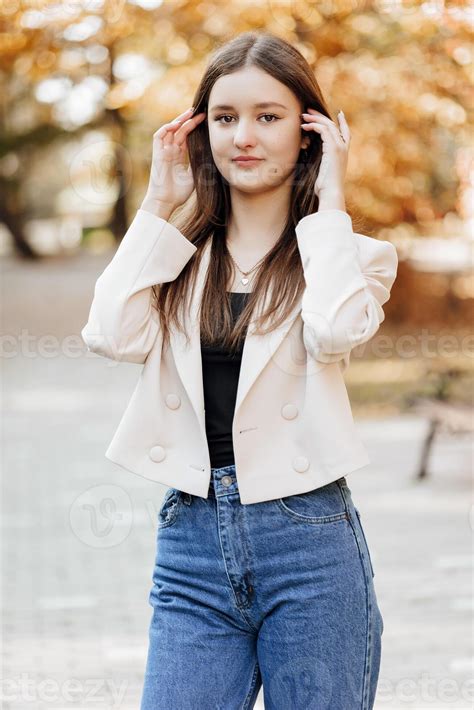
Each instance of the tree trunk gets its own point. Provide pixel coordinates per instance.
(15, 224)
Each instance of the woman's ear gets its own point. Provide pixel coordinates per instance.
(305, 143)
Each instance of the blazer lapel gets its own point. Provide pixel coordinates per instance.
(187, 357)
(257, 351)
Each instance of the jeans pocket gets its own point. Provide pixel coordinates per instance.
(168, 512)
(364, 540)
(316, 507)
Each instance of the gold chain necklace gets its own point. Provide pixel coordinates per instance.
(245, 280)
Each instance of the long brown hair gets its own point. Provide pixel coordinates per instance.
(206, 214)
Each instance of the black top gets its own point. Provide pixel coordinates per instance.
(220, 371)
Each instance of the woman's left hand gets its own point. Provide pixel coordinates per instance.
(336, 140)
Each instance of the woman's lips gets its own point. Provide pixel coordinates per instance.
(242, 163)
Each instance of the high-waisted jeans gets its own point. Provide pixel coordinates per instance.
(279, 592)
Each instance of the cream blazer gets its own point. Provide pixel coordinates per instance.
(293, 429)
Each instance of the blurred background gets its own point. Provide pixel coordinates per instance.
(85, 84)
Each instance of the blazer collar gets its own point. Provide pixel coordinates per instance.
(257, 351)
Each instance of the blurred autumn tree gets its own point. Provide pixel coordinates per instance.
(401, 73)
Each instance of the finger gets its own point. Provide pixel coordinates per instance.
(323, 130)
(318, 116)
(169, 132)
(313, 114)
(344, 127)
(173, 125)
(165, 133)
(338, 137)
(330, 128)
(186, 128)
(327, 135)
(183, 115)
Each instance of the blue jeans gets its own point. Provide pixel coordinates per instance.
(279, 592)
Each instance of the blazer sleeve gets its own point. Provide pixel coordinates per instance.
(122, 323)
(348, 279)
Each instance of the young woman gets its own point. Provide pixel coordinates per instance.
(262, 572)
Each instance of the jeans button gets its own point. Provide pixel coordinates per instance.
(226, 481)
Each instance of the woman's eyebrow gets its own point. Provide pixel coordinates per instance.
(262, 104)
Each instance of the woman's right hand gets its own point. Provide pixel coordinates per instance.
(171, 181)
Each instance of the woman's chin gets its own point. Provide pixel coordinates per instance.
(252, 181)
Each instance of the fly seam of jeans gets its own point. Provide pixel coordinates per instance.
(253, 682)
(242, 612)
(368, 645)
(248, 549)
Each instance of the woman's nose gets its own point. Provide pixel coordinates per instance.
(244, 135)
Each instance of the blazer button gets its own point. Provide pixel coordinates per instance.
(157, 453)
(173, 401)
(300, 464)
(289, 411)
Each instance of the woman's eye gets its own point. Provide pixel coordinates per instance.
(218, 118)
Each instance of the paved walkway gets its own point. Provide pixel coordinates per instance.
(76, 576)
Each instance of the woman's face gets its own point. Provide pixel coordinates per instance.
(238, 126)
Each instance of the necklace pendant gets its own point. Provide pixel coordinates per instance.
(244, 281)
